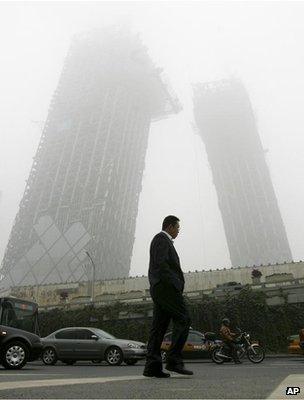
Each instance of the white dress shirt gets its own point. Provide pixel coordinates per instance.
(169, 236)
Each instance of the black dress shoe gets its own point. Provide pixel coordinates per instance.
(179, 369)
(158, 374)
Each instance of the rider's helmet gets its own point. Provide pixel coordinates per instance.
(226, 321)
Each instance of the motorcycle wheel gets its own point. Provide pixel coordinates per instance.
(215, 356)
(255, 354)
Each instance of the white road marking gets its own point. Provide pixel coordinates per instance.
(289, 364)
(246, 365)
(296, 380)
(72, 381)
(26, 374)
(62, 382)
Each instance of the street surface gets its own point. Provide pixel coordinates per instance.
(85, 380)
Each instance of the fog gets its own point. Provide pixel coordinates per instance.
(259, 43)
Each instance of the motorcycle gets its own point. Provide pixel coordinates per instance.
(254, 352)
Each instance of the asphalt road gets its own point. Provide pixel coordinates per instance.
(85, 380)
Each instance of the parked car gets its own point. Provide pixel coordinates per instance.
(198, 345)
(294, 345)
(78, 343)
(17, 347)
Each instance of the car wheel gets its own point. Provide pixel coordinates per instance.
(69, 362)
(15, 355)
(131, 362)
(96, 361)
(114, 356)
(49, 356)
(163, 356)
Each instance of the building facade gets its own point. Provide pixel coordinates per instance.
(252, 221)
(83, 189)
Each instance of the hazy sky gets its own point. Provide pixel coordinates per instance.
(260, 42)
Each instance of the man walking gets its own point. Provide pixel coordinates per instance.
(166, 287)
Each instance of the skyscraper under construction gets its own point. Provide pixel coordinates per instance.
(81, 197)
(252, 221)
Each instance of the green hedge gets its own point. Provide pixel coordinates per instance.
(248, 310)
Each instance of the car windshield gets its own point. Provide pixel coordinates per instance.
(20, 314)
(104, 334)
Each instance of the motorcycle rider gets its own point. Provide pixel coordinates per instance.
(229, 339)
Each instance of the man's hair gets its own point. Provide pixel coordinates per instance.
(170, 220)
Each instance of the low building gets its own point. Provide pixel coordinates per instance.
(136, 289)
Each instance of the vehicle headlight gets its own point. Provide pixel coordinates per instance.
(247, 336)
(133, 345)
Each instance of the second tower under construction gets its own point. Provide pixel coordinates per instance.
(253, 224)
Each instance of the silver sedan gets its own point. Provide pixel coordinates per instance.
(78, 343)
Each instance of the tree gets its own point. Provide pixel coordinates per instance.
(255, 273)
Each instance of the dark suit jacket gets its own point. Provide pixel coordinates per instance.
(164, 263)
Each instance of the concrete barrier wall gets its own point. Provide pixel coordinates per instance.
(132, 287)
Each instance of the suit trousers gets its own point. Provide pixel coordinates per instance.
(168, 304)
